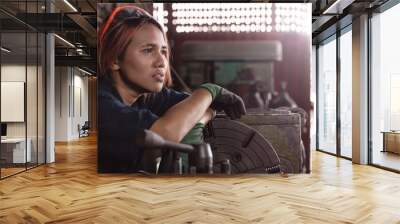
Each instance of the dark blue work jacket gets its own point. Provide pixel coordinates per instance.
(119, 123)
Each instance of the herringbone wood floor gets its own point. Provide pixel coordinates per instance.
(70, 191)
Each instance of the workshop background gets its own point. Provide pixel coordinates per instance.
(261, 51)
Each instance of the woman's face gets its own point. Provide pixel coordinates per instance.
(143, 67)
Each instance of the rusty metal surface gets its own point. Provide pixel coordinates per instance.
(283, 131)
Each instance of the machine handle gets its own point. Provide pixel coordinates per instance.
(151, 140)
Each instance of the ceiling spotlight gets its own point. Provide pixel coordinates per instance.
(5, 50)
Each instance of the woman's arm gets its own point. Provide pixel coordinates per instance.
(208, 116)
(180, 118)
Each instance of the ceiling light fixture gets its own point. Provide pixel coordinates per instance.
(70, 5)
(5, 50)
(64, 40)
(337, 7)
(84, 71)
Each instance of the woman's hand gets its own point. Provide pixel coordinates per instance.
(225, 100)
(230, 103)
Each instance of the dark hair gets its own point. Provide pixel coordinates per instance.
(114, 36)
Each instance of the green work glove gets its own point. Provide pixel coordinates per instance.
(214, 90)
(225, 100)
(195, 135)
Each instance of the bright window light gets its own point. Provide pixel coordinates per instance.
(251, 17)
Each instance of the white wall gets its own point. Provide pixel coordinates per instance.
(61, 103)
(16, 72)
(33, 127)
(10, 73)
(71, 102)
(80, 110)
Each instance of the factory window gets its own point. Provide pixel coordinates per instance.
(313, 98)
(334, 94)
(240, 18)
(346, 92)
(161, 15)
(385, 89)
(326, 136)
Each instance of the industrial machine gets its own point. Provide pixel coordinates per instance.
(230, 147)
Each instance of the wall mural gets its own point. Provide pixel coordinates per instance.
(204, 89)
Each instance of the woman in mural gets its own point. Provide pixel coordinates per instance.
(134, 76)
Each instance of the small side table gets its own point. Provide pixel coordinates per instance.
(13, 150)
(391, 141)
